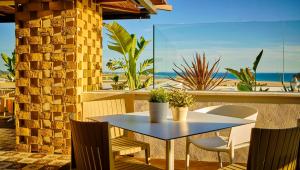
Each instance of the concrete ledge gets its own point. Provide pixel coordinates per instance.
(209, 96)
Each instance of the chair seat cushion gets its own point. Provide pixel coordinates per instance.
(132, 164)
(233, 167)
(216, 143)
(124, 146)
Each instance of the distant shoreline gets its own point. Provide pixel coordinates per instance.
(268, 77)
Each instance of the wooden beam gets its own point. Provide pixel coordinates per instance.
(111, 1)
(125, 16)
(148, 5)
(9, 18)
(7, 3)
(121, 9)
(164, 7)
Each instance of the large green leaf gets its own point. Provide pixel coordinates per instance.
(243, 87)
(120, 37)
(142, 43)
(257, 60)
(5, 58)
(234, 73)
(146, 63)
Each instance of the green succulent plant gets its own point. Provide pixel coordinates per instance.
(180, 98)
(159, 95)
(247, 78)
(115, 79)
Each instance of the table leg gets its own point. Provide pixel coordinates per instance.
(170, 154)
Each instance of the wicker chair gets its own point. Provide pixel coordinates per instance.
(91, 148)
(272, 149)
(239, 137)
(121, 143)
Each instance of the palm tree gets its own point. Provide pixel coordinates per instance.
(130, 48)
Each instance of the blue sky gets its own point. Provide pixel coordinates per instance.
(194, 12)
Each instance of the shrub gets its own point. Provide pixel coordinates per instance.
(159, 95)
(179, 98)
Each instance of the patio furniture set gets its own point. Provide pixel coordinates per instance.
(101, 137)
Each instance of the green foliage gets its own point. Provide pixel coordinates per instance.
(131, 48)
(10, 65)
(198, 75)
(115, 79)
(247, 79)
(180, 98)
(117, 85)
(159, 95)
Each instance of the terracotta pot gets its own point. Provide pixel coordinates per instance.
(158, 112)
(179, 113)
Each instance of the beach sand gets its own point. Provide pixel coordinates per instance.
(227, 85)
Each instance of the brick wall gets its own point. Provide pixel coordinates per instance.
(58, 56)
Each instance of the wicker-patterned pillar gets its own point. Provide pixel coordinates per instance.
(58, 55)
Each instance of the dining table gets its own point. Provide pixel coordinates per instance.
(169, 130)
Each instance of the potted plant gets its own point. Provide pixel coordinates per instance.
(180, 102)
(117, 85)
(158, 105)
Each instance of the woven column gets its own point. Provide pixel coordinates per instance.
(58, 56)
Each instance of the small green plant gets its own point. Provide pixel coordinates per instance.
(291, 88)
(286, 88)
(180, 98)
(10, 65)
(159, 95)
(115, 79)
(247, 79)
(117, 85)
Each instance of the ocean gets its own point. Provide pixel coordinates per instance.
(276, 77)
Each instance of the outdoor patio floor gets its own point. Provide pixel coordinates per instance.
(7, 143)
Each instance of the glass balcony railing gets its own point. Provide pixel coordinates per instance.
(236, 45)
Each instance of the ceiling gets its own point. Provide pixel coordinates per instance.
(112, 9)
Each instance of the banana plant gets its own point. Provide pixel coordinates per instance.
(130, 47)
(247, 79)
(10, 65)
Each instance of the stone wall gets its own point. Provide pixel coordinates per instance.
(58, 56)
(269, 116)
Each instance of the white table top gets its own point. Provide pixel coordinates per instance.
(196, 123)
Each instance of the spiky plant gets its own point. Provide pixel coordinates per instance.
(198, 75)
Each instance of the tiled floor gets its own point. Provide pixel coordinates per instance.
(9, 159)
(13, 160)
(7, 139)
(28, 161)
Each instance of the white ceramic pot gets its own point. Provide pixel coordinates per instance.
(158, 111)
(179, 113)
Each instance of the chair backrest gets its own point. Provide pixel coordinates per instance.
(105, 107)
(91, 145)
(240, 134)
(273, 149)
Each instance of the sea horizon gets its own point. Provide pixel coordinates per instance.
(269, 76)
(275, 77)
